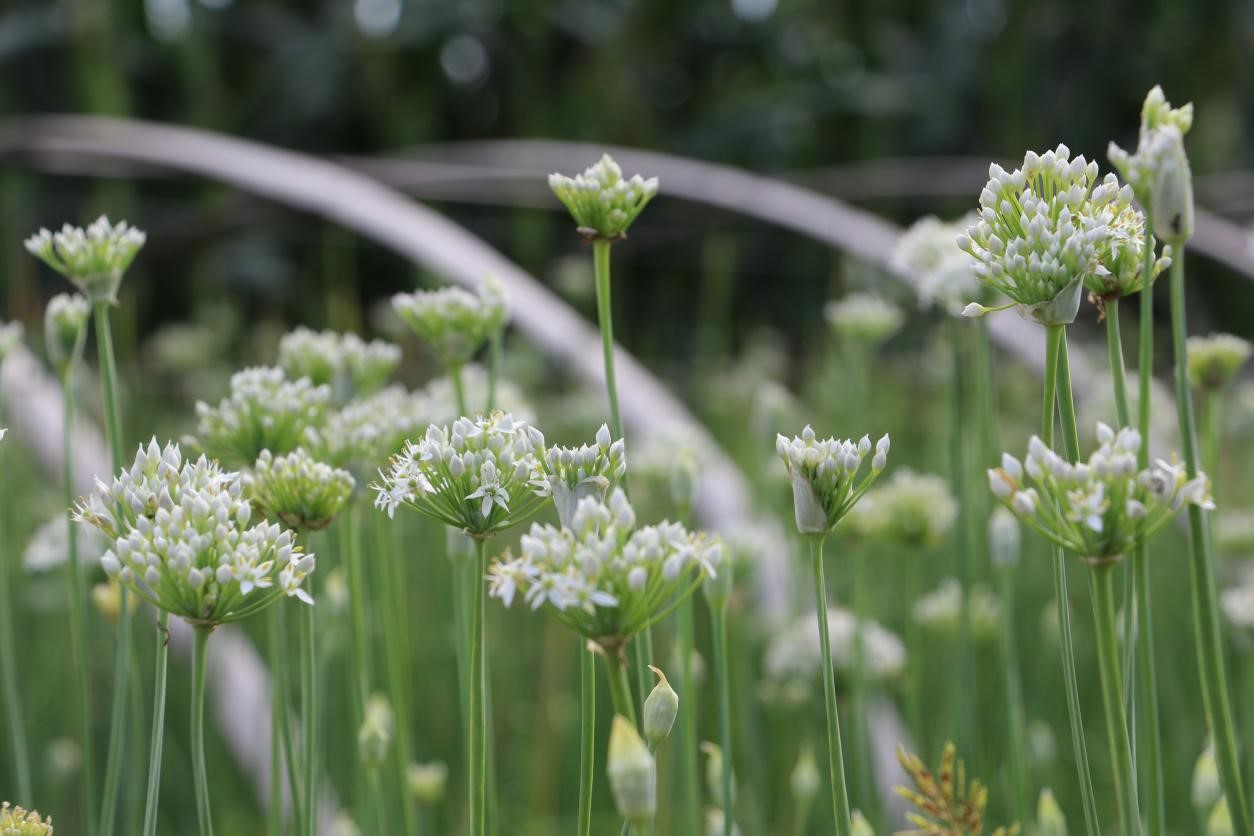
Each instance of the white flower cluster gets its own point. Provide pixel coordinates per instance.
(794, 652)
(365, 433)
(572, 474)
(265, 411)
(65, 329)
(11, 336)
(94, 259)
(182, 539)
(1101, 508)
(348, 364)
(453, 321)
(825, 476)
(49, 546)
(602, 576)
(913, 509)
(863, 318)
(1215, 360)
(602, 203)
(304, 494)
(1162, 128)
(941, 609)
(1122, 256)
(1040, 232)
(927, 255)
(477, 475)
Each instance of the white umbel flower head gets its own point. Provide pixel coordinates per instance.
(1158, 170)
(863, 318)
(182, 539)
(351, 366)
(1041, 232)
(65, 330)
(928, 257)
(827, 476)
(1101, 508)
(11, 336)
(1215, 360)
(1122, 269)
(574, 473)
(302, 493)
(49, 546)
(94, 259)
(601, 201)
(794, 652)
(365, 433)
(265, 411)
(941, 609)
(453, 321)
(477, 476)
(914, 509)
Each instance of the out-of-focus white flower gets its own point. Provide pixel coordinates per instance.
(302, 493)
(825, 476)
(49, 546)
(602, 202)
(928, 256)
(94, 259)
(453, 321)
(426, 782)
(914, 509)
(364, 434)
(941, 609)
(1215, 360)
(863, 318)
(264, 411)
(351, 366)
(65, 330)
(510, 397)
(794, 652)
(11, 336)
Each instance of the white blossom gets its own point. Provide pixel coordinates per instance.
(94, 259)
(603, 203)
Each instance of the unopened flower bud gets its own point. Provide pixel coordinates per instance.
(1206, 787)
(714, 766)
(860, 826)
(427, 782)
(660, 708)
(1219, 822)
(107, 597)
(1049, 818)
(344, 826)
(805, 778)
(1004, 538)
(1172, 201)
(65, 330)
(375, 735)
(632, 773)
(715, 824)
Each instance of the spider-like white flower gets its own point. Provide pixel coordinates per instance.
(602, 576)
(913, 509)
(927, 255)
(827, 476)
(794, 653)
(65, 329)
(1040, 233)
(1215, 360)
(182, 539)
(49, 546)
(303, 493)
(1122, 256)
(94, 259)
(603, 203)
(1158, 171)
(574, 473)
(1101, 508)
(453, 321)
(476, 476)
(265, 411)
(348, 364)
(11, 336)
(863, 318)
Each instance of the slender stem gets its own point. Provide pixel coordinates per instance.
(200, 638)
(587, 735)
(1054, 357)
(1013, 694)
(79, 611)
(1112, 699)
(1114, 351)
(388, 576)
(1212, 433)
(12, 698)
(601, 258)
(459, 388)
(718, 622)
(478, 704)
(1209, 639)
(494, 366)
(966, 537)
(309, 708)
(158, 723)
(359, 658)
(277, 722)
(686, 743)
(835, 757)
(122, 652)
(620, 688)
(911, 586)
(863, 775)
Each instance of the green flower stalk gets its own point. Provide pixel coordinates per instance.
(351, 366)
(717, 592)
(15, 821)
(1004, 546)
(264, 411)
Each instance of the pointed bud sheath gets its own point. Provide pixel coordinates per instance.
(1172, 203)
(1206, 790)
(632, 773)
(811, 518)
(660, 708)
(805, 778)
(1049, 818)
(1004, 537)
(1219, 822)
(860, 826)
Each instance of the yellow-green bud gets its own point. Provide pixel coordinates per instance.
(1049, 818)
(1206, 787)
(714, 825)
(375, 735)
(860, 826)
(65, 330)
(660, 708)
(344, 826)
(632, 773)
(714, 771)
(427, 782)
(1219, 822)
(805, 778)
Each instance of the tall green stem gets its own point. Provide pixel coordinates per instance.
(1055, 354)
(689, 817)
(601, 258)
(309, 716)
(1123, 415)
(864, 789)
(122, 652)
(1209, 639)
(478, 704)
(835, 756)
(966, 536)
(459, 388)
(158, 723)
(718, 623)
(200, 638)
(620, 688)
(388, 579)
(1112, 699)
(587, 734)
(12, 699)
(277, 722)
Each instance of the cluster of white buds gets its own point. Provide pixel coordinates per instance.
(304, 494)
(1101, 508)
(941, 609)
(17, 821)
(1040, 233)
(453, 321)
(65, 330)
(94, 259)
(913, 509)
(928, 257)
(477, 476)
(1215, 360)
(11, 336)
(602, 576)
(1158, 171)
(365, 433)
(49, 547)
(575, 473)
(265, 411)
(348, 364)
(794, 653)
(863, 318)
(182, 539)
(825, 476)
(1121, 268)
(601, 201)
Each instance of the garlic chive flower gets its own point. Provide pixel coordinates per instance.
(794, 653)
(940, 610)
(1101, 508)
(601, 201)
(264, 411)
(182, 539)
(1121, 271)
(1161, 127)
(304, 494)
(49, 547)
(94, 259)
(16, 821)
(477, 476)
(348, 364)
(365, 433)
(65, 330)
(573, 473)
(927, 256)
(11, 336)
(374, 738)
(827, 476)
(1215, 360)
(453, 321)
(1039, 234)
(863, 318)
(602, 576)
(914, 509)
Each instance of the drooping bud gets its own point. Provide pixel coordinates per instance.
(1049, 818)
(427, 781)
(660, 708)
(632, 773)
(375, 735)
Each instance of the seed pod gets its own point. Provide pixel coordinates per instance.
(632, 773)
(660, 708)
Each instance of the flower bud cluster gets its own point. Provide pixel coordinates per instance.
(453, 321)
(348, 364)
(65, 330)
(940, 272)
(367, 432)
(16, 821)
(1162, 127)
(1215, 360)
(94, 259)
(1101, 508)
(477, 476)
(1121, 268)
(913, 509)
(602, 203)
(574, 473)
(863, 318)
(941, 609)
(602, 576)
(304, 494)
(825, 476)
(794, 653)
(11, 336)
(1041, 231)
(265, 411)
(182, 539)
